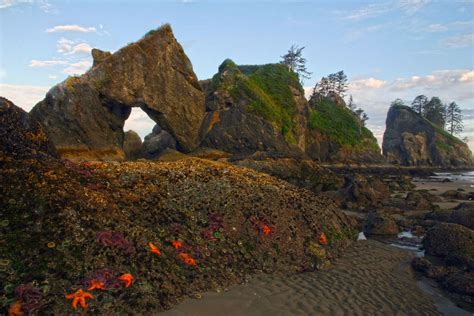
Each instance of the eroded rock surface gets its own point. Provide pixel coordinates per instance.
(85, 115)
(22, 137)
(411, 140)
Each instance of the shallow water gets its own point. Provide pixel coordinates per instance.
(464, 176)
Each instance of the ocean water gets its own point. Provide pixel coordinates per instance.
(465, 176)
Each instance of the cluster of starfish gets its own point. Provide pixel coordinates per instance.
(80, 297)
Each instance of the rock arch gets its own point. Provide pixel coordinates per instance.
(84, 116)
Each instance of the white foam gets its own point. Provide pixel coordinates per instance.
(406, 234)
(361, 236)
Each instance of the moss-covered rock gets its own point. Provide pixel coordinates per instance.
(335, 133)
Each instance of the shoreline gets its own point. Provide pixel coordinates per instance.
(370, 278)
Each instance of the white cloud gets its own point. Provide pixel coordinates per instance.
(82, 48)
(369, 11)
(23, 96)
(64, 45)
(46, 63)
(437, 28)
(52, 77)
(78, 68)
(10, 3)
(437, 80)
(369, 83)
(71, 28)
(459, 41)
(412, 6)
(467, 77)
(373, 10)
(68, 47)
(139, 122)
(44, 5)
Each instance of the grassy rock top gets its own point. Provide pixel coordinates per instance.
(267, 88)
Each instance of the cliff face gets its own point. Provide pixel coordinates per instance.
(263, 108)
(411, 140)
(85, 115)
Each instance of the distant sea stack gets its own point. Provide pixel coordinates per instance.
(84, 116)
(411, 140)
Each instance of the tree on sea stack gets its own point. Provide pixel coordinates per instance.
(454, 119)
(363, 117)
(336, 82)
(435, 112)
(419, 103)
(295, 62)
(351, 105)
(397, 102)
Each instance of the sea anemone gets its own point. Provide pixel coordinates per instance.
(29, 296)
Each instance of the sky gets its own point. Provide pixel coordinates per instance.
(388, 49)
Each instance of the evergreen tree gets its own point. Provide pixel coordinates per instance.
(341, 83)
(336, 82)
(454, 119)
(397, 102)
(435, 112)
(419, 103)
(362, 117)
(351, 105)
(295, 62)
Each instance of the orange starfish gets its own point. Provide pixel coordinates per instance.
(322, 239)
(127, 278)
(15, 309)
(266, 230)
(176, 244)
(154, 249)
(79, 297)
(187, 259)
(96, 285)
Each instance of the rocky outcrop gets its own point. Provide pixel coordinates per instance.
(411, 140)
(22, 137)
(132, 145)
(157, 142)
(85, 115)
(263, 109)
(245, 114)
(380, 223)
(453, 242)
(335, 133)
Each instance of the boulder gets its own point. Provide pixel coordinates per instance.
(380, 223)
(453, 242)
(411, 140)
(22, 137)
(463, 214)
(132, 145)
(361, 191)
(157, 142)
(87, 113)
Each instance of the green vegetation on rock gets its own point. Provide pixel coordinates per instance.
(339, 124)
(267, 88)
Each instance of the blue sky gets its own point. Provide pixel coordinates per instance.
(388, 49)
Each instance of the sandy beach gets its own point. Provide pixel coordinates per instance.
(370, 279)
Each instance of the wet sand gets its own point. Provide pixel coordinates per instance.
(371, 278)
(437, 187)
